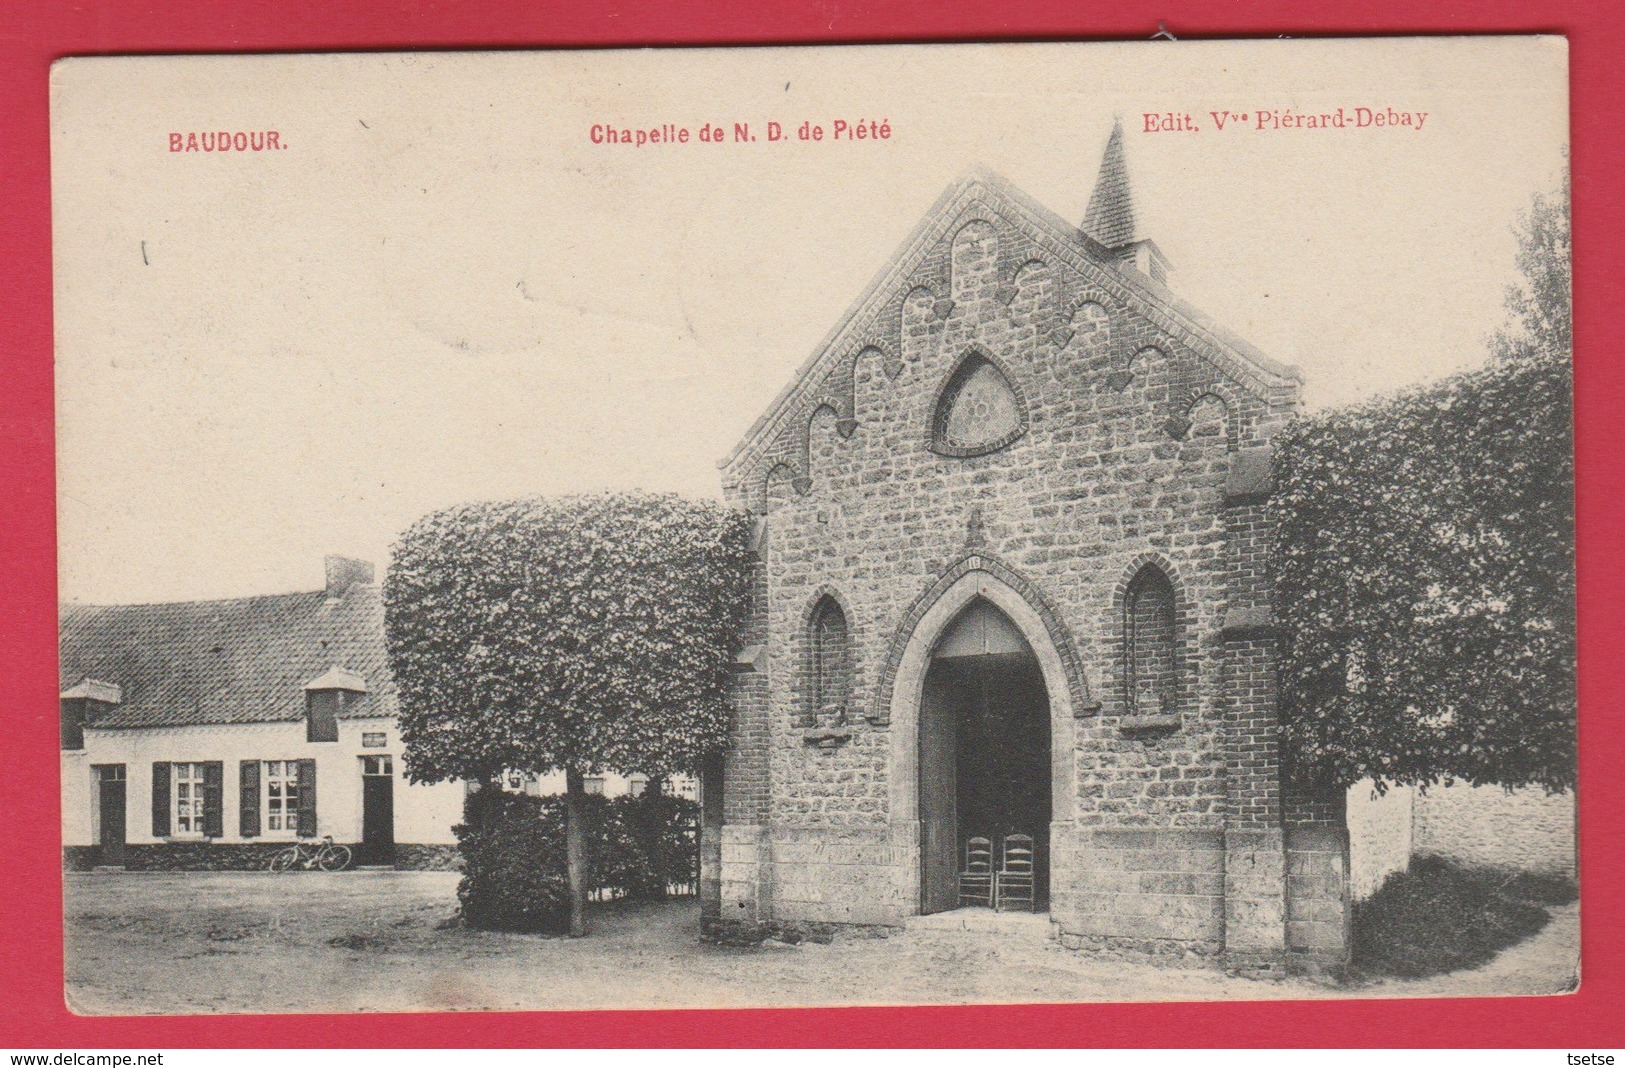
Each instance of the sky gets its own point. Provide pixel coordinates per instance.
(441, 290)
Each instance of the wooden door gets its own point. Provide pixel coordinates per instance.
(111, 802)
(939, 791)
(377, 811)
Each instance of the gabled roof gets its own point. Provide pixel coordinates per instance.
(1067, 244)
(94, 690)
(336, 678)
(246, 660)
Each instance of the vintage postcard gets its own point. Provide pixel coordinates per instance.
(815, 526)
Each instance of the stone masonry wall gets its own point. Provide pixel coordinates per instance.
(1526, 829)
(1379, 836)
(1131, 421)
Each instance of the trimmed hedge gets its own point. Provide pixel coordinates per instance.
(515, 876)
(1423, 562)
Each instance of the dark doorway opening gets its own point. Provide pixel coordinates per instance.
(110, 787)
(377, 811)
(984, 752)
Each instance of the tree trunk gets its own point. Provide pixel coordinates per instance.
(575, 849)
(650, 829)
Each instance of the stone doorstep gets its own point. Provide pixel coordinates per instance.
(1026, 926)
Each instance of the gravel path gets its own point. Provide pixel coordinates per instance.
(380, 941)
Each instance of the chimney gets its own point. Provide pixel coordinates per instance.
(343, 572)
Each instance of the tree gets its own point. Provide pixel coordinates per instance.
(1539, 305)
(1424, 555)
(578, 634)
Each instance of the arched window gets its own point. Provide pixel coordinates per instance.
(977, 412)
(831, 664)
(1150, 644)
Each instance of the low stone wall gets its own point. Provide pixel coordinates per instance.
(428, 858)
(202, 856)
(1526, 829)
(241, 856)
(81, 858)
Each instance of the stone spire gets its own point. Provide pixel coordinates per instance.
(1110, 218)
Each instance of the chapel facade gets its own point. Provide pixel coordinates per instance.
(1011, 579)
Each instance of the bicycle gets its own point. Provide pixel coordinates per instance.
(310, 856)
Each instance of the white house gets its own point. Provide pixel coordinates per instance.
(208, 734)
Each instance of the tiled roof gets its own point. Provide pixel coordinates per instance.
(238, 661)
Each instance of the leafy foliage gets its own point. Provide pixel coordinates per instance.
(590, 633)
(514, 867)
(1424, 553)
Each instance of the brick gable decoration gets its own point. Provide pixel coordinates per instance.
(1018, 416)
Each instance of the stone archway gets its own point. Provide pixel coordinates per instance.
(984, 579)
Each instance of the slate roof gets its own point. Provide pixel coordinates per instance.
(1110, 218)
(245, 660)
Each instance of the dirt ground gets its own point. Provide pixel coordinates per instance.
(386, 941)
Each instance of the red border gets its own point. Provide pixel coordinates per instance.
(32, 34)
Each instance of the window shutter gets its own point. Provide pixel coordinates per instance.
(307, 798)
(160, 800)
(214, 816)
(248, 798)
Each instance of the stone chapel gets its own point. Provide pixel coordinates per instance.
(1011, 579)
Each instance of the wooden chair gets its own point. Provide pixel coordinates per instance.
(1013, 884)
(976, 880)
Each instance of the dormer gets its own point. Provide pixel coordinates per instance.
(82, 704)
(327, 697)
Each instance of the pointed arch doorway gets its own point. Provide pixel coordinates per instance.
(985, 767)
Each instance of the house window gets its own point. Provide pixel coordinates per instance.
(110, 772)
(831, 664)
(377, 765)
(1150, 644)
(637, 784)
(594, 784)
(281, 796)
(189, 797)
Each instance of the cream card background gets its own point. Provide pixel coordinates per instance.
(441, 290)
